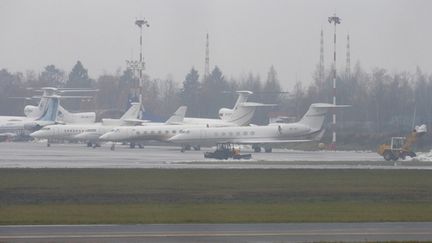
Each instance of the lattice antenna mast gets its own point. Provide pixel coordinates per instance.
(334, 20)
(139, 66)
(348, 58)
(207, 59)
(321, 63)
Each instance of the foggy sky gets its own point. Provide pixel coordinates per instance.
(245, 35)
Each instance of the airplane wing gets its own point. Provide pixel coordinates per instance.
(136, 121)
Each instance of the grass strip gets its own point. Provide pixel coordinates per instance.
(120, 196)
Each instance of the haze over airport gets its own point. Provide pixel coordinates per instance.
(245, 35)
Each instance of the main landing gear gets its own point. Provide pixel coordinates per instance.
(189, 147)
(257, 149)
(93, 145)
(132, 145)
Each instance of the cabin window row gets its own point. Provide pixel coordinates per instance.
(161, 132)
(245, 133)
(74, 130)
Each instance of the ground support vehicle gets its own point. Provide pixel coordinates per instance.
(226, 151)
(400, 147)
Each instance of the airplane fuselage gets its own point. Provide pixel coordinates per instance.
(143, 133)
(75, 132)
(254, 134)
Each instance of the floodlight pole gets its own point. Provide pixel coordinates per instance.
(335, 20)
(139, 65)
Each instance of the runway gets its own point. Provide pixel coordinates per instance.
(291, 232)
(37, 155)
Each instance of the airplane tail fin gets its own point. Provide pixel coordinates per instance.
(315, 116)
(243, 111)
(243, 96)
(78, 118)
(133, 112)
(36, 111)
(178, 116)
(51, 109)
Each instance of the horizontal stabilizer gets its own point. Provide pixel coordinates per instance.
(247, 92)
(326, 105)
(254, 104)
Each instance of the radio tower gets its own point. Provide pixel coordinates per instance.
(335, 20)
(321, 63)
(207, 59)
(348, 58)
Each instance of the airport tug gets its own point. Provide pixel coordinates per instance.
(226, 151)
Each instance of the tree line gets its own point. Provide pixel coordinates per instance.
(383, 103)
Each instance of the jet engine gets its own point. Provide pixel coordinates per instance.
(225, 112)
(293, 129)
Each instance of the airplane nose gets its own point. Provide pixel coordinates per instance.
(36, 134)
(105, 137)
(175, 138)
(81, 135)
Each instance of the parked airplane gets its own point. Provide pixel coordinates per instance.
(63, 115)
(309, 128)
(241, 114)
(10, 126)
(139, 134)
(91, 132)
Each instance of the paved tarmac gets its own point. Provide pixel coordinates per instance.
(290, 232)
(37, 155)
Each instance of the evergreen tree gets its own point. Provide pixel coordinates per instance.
(126, 82)
(108, 93)
(52, 77)
(212, 98)
(10, 85)
(272, 88)
(78, 77)
(190, 92)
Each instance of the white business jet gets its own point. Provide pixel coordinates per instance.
(90, 133)
(239, 115)
(309, 128)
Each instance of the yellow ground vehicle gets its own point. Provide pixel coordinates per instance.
(400, 147)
